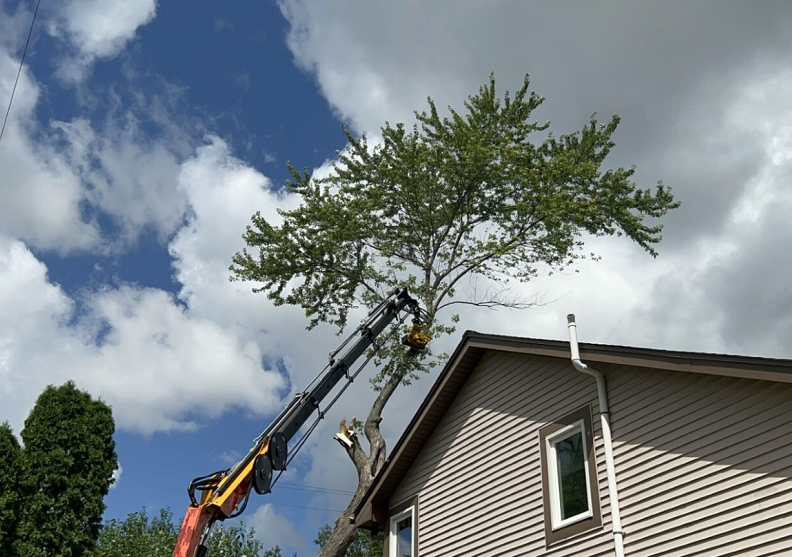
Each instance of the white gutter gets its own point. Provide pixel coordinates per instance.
(602, 393)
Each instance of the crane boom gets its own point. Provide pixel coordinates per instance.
(224, 494)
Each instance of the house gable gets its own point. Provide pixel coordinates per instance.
(401, 478)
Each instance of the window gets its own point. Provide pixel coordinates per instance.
(568, 475)
(402, 534)
(571, 499)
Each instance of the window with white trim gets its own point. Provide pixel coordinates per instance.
(402, 534)
(568, 475)
(570, 494)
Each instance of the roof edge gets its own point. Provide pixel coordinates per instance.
(769, 369)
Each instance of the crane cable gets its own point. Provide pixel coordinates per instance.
(349, 381)
(350, 378)
(19, 71)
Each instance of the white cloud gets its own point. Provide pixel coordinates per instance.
(163, 362)
(53, 178)
(97, 29)
(117, 476)
(275, 529)
(230, 458)
(160, 367)
(41, 192)
(224, 193)
(128, 175)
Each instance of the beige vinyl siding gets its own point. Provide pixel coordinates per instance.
(478, 477)
(704, 463)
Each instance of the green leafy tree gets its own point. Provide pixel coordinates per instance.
(10, 455)
(487, 195)
(274, 552)
(67, 466)
(364, 544)
(137, 535)
(236, 540)
(156, 537)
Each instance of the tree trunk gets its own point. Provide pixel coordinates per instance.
(367, 467)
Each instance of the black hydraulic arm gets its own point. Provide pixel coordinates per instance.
(370, 331)
(304, 404)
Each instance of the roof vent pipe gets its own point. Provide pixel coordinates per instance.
(602, 394)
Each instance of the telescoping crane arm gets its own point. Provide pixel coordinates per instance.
(224, 494)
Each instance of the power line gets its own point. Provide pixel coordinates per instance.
(174, 470)
(19, 71)
(304, 507)
(325, 491)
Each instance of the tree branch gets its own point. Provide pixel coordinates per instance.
(358, 456)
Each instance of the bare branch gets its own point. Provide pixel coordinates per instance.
(371, 427)
(493, 298)
(357, 454)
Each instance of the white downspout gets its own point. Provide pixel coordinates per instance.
(602, 394)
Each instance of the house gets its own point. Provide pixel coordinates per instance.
(506, 455)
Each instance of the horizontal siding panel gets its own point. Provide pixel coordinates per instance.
(711, 419)
(474, 424)
(717, 490)
(478, 477)
(702, 518)
(704, 463)
(769, 522)
(764, 545)
(741, 457)
(732, 421)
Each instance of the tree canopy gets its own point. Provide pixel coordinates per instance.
(364, 543)
(10, 455)
(487, 194)
(67, 466)
(482, 193)
(138, 534)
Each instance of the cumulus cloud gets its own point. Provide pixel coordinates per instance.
(163, 362)
(42, 193)
(141, 350)
(96, 29)
(275, 529)
(127, 175)
(223, 193)
(736, 288)
(59, 178)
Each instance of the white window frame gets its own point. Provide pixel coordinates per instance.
(552, 475)
(394, 521)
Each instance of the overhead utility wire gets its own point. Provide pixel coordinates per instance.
(168, 468)
(19, 71)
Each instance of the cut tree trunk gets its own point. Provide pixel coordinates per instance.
(367, 466)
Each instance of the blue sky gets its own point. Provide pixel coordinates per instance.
(228, 72)
(144, 135)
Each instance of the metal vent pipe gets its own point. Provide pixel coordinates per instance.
(602, 394)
